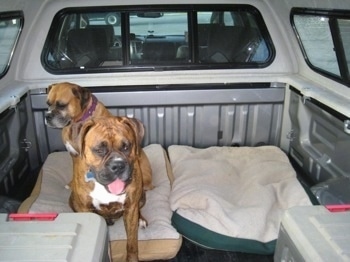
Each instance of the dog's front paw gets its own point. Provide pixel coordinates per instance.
(142, 223)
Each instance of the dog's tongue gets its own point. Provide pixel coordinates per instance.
(116, 187)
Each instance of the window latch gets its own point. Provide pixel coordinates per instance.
(347, 126)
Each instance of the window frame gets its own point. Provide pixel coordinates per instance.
(192, 39)
(12, 15)
(332, 15)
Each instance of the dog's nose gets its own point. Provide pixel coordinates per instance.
(48, 116)
(117, 166)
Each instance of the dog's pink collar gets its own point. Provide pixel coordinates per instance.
(91, 110)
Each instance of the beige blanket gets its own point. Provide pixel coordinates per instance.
(239, 192)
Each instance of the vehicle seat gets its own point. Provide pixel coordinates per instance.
(159, 51)
(109, 31)
(114, 52)
(88, 47)
(231, 44)
(182, 52)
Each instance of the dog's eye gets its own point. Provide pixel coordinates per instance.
(125, 147)
(60, 105)
(101, 150)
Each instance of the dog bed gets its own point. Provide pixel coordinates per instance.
(159, 240)
(232, 198)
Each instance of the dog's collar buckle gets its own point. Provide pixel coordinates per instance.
(91, 110)
(89, 176)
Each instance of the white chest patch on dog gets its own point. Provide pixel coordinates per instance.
(101, 196)
(70, 148)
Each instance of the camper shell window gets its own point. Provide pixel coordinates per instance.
(83, 40)
(11, 24)
(324, 37)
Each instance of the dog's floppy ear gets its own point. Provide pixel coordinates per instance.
(75, 140)
(83, 94)
(49, 88)
(137, 127)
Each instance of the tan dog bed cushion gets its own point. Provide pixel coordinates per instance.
(232, 198)
(159, 240)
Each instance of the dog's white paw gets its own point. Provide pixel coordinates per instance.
(142, 223)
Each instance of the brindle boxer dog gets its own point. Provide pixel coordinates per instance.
(107, 176)
(70, 103)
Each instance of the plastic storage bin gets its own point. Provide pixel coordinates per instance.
(50, 237)
(333, 191)
(314, 234)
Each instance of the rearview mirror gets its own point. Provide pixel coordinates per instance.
(150, 14)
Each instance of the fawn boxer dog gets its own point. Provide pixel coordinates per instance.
(69, 103)
(107, 172)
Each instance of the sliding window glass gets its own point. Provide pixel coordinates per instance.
(10, 28)
(231, 36)
(159, 38)
(146, 38)
(324, 37)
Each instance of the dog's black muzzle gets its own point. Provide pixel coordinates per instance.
(115, 168)
(54, 119)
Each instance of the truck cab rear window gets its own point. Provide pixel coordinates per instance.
(122, 39)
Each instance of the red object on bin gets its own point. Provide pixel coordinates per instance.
(338, 208)
(33, 216)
